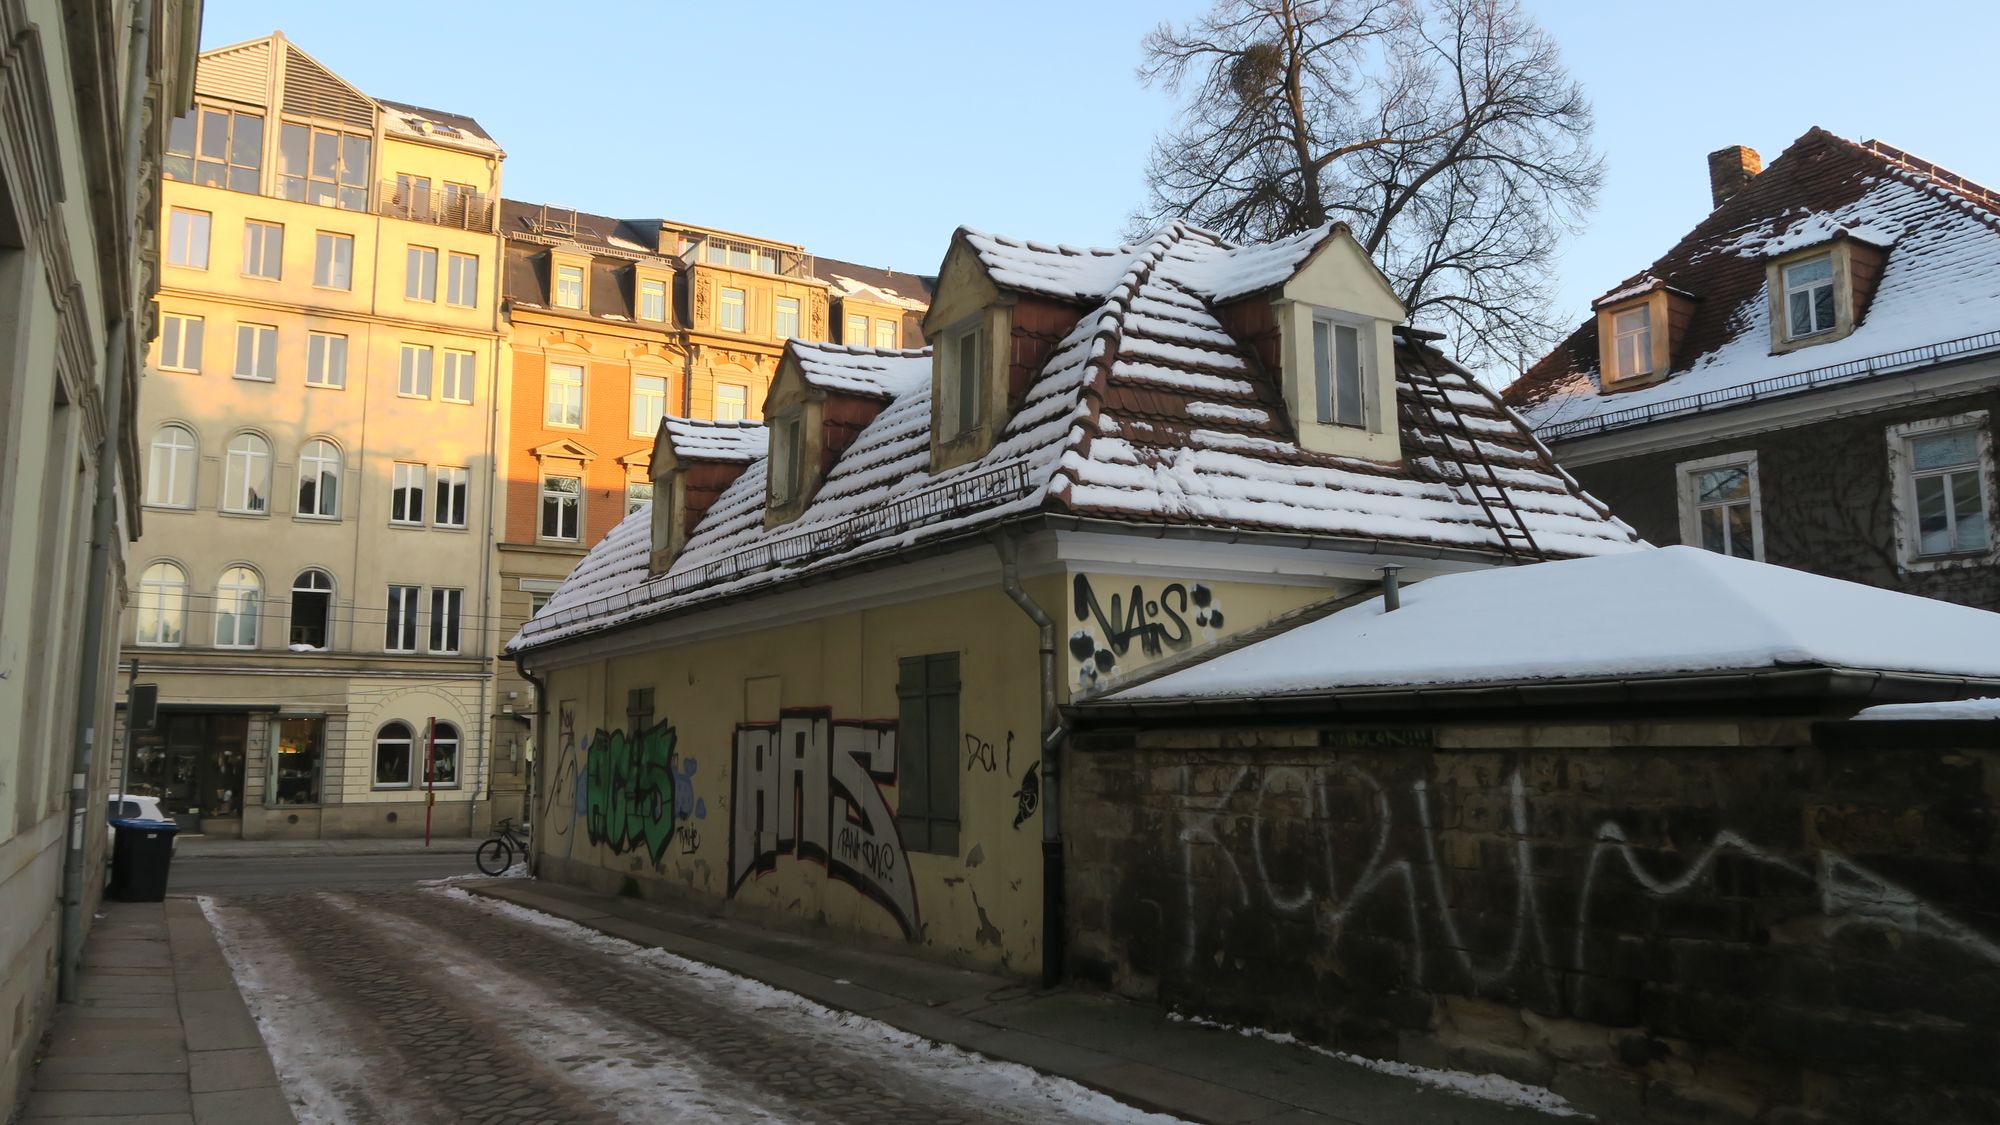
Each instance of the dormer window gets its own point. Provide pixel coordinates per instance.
(1638, 328)
(1338, 385)
(569, 287)
(1809, 300)
(785, 437)
(961, 384)
(1821, 293)
(1632, 338)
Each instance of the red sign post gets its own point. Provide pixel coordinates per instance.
(430, 775)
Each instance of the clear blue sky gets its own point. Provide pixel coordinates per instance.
(869, 131)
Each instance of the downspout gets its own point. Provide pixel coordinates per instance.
(104, 509)
(1054, 733)
(539, 746)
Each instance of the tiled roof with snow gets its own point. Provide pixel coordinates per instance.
(877, 373)
(1940, 283)
(702, 439)
(1650, 612)
(1147, 412)
(909, 290)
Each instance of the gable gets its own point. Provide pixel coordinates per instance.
(964, 287)
(1338, 275)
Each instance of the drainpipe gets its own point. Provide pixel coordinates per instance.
(541, 726)
(1054, 733)
(104, 511)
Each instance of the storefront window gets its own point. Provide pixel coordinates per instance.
(300, 745)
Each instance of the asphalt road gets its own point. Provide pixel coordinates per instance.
(256, 874)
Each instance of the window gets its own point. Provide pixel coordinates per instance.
(452, 484)
(170, 468)
(856, 335)
(731, 402)
(326, 360)
(256, 352)
(180, 342)
(652, 299)
(784, 457)
(301, 745)
(1721, 509)
(730, 313)
(323, 166)
(333, 260)
(162, 608)
(638, 494)
(406, 493)
(459, 369)
(413, 194)
(312, 608)
(785, 318)
(392, 755)
(215, 148)
(537, 601)
(885, 333)
(927, 743)
(319, 480)
(1809, 297)
(959, 412)
(649, 404)
(187, 238)
(420, 274)
(400, 635)
(263, 250)
(445, 607)
(565, 395)
(562, 508)
(462, 283)
(569, 287)
(246, 477)
(1946, 476)
(443, 754)
(238, 605)
(1337, 374)
(1632, 337)
(414, 379)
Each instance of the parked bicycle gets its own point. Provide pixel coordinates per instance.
(495, 856)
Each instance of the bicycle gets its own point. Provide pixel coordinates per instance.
(496, 855)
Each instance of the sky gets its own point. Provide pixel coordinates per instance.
(869, 131)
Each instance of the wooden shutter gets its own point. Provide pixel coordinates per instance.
(927, 785)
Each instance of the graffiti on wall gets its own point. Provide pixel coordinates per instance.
(810, 787)
(1029, 794)
(629, 789)
(1156, 623)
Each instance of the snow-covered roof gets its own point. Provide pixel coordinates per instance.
(1958, 709)
(877, 373)
(419, 123)
(701, 439)
(840, 286)
(1148, 412)
(1940, 283)
(1640, 613)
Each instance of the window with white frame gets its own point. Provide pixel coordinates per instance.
(170, 467)
(180, 342)
(246, 475)
(732, 402)
(187, 238)
(569, 287)
(263, 250)
(239, 598)
(446, 604)
(312, 608)
(413, 379)
(442, 755)
(393, 746)
(1721, 505)
(453, 482)
(562, 508)
(333, 260)
(1809, 297)
(462, 281)
(1632, 341)
(565, 395)
(638, 494)
(885, 334)
(1943, 500)
(785, 318)
(459, 371)
(319, 480)
(1338, 384)
(729, 311)
(420, 274)
(326, 360)
(406, 492)
(162, 607)
(962, 385)
(537, 601)
(257, 352)
(784, 461)
(856, 335)
(649, 404)
(652, 299)
(400, 631)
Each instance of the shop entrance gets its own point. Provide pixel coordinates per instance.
(193, 762)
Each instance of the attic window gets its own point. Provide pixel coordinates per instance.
(958, 412)
(785, 435)
(1632, 332)
(1809, 297)
(569, 287)
(1337, 380)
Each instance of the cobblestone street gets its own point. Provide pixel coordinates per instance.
(424, 1005)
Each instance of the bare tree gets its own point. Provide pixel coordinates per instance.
(1446, 133)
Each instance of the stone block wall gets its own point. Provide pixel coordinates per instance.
(1672, 922)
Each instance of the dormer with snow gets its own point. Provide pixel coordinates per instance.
(1639, 325)
(824, 395)
(694, 461)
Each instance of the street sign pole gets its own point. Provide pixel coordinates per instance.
(125, 751)
(430, 775)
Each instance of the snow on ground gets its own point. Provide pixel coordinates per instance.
(1956, 709)
(1488, 1087)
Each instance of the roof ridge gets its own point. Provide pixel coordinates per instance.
(1931, 177)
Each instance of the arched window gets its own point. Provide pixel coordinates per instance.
(319, 479)
(444, 755)
(392, 756)
(170, 470)
(246, 477)
(162, 609)
(239, 598)
(312, 608)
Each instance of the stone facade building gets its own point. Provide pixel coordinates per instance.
(1809, 377)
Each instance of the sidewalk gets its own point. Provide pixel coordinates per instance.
(1128, 1050)
(204, 847)
(159, 1036)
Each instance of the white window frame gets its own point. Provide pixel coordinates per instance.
(174, 335)
(855, 333)
(961, 406)
(739, 401)
(410, 743)
(1326, 410)
(305, 582)
(1690, 503)
(558, 284)
(404, 477)
(462, 280)
(650, 290)
(885, 335)
(436, 753)
(333, 268)
(571, 399)
(1903, 494)
(649, 404)
(547, 495)
(783, 460)
(445, 631)
(740, 302)
(452, 496)
(318, 458)
(420, 274)
(416, 371)
(638, 493)
(1827, 283)
(165, 597)
(239, 590)
(326, 360)
(243, 471)
(1641, 339)
(258, 345)
(399, 620)
(461, 375)
(263, 250)
(785, 318)
(187, 237)
(182, 465)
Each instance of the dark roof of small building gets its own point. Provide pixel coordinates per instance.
(457, 121)
(896, 283)
(532, 229)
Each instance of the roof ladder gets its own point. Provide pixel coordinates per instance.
(1517, 543)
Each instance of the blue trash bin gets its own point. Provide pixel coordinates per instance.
(140, 857)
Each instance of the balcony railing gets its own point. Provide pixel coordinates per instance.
(461, 209)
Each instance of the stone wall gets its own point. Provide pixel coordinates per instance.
(1760, 920)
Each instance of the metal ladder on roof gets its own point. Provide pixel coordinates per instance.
(1517, 543)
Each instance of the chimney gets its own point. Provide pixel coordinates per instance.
(1729, 169)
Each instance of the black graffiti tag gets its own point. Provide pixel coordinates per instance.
(1028, 795)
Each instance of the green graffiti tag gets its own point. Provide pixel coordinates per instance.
(629, 789)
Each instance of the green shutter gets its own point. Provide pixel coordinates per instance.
(941, 689)
(912, 756)
(927, 785)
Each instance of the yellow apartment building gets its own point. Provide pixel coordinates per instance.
(312, 592)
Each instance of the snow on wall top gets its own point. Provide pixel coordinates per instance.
(700, 439)
(879, 373)
(1980, 709)
(1147, 411)
(1648, 612)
